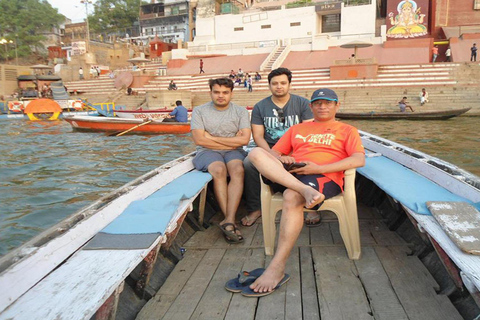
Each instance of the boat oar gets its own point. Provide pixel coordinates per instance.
(132, 128)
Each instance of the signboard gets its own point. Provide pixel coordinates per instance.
(407, 18)
(336, 6)
(78, 48)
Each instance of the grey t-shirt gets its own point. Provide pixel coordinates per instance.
(219, 123)
(266, 113)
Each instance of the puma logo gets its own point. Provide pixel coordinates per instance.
(298, 136)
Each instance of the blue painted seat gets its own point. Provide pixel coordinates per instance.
(406, 186)
(144, 220)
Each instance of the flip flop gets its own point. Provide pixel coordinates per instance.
(248, 221)
(230, 235)
(244, 278)
(248, 292)
(309, 221)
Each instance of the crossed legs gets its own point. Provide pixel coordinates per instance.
(295, 198)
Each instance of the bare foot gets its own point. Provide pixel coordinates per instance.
(268, 280)
(312, 197)
(250, 219)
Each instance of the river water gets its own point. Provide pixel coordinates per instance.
(48, 172)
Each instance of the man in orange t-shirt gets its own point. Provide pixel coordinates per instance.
(327, 148)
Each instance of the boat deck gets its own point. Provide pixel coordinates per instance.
(386, 283)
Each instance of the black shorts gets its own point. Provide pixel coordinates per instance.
(319, 182)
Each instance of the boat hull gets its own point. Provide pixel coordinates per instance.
(146, 114)
(430, 115)
(105, 124)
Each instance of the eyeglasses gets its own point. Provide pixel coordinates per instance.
(328, 103)
(281, 117)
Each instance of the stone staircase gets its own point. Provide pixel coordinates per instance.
(273, 58)
(102, 85)
(450, 85)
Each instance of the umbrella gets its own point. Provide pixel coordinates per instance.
(138, 60)
(355, 45)
(124, 79)
(41, 66)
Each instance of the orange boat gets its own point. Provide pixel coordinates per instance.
(109, 124)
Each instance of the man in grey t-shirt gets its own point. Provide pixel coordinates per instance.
(220, 129)
(271, 117)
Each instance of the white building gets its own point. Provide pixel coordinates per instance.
(264, 26)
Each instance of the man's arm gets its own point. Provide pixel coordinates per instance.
(356, 160)
(241, 139)
(200, 138)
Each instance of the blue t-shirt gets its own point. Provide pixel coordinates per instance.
(180, 113)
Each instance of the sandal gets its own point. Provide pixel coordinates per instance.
(248, 220)
(231, 236)
(313, 221)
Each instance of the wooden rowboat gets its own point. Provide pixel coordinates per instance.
(146, 114)
(110, 124)
(410, 268)
(422, 115)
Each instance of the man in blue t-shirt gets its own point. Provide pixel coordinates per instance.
(179, 114)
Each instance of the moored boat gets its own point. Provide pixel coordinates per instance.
(417, 115)
(146, 114)
(410, 268)
(111, 124)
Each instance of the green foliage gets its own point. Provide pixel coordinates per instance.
(299, 3)
(24, 22)
(111, 16)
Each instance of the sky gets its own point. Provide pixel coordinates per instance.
(72, 9)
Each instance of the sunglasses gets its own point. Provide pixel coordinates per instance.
(281, 117)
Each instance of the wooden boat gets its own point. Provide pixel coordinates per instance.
(150, 114)
(410, 268)
(146, 114)
(417, 115)
(111, 124)
(19, 109)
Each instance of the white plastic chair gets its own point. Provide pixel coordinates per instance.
(343, 205)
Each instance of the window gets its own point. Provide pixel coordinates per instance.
(331, 23)
(476, 5)
(238, 29)
(295, 24)
(266, 26)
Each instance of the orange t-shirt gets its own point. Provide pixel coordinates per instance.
(321, 143)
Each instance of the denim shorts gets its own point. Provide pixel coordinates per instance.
(203, 159)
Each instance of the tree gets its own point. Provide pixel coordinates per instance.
(114, 16)
(24, 22)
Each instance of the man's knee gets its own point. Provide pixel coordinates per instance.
(292, 199)
(235, 169)
(217, 170)
(256, 154)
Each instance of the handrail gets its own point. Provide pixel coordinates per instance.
(281, 57)
(270, 55)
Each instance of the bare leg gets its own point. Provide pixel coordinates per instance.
(273, 170)
(290, 226)
(410, 108)
(234, 190)
(218, 170)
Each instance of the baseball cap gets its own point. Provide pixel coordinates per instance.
(324, 94)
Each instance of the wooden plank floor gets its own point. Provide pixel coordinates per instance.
(386, 283)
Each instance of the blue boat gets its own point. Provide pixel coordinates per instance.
(148, 251)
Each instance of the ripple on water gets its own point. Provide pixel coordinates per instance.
(48, 172)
